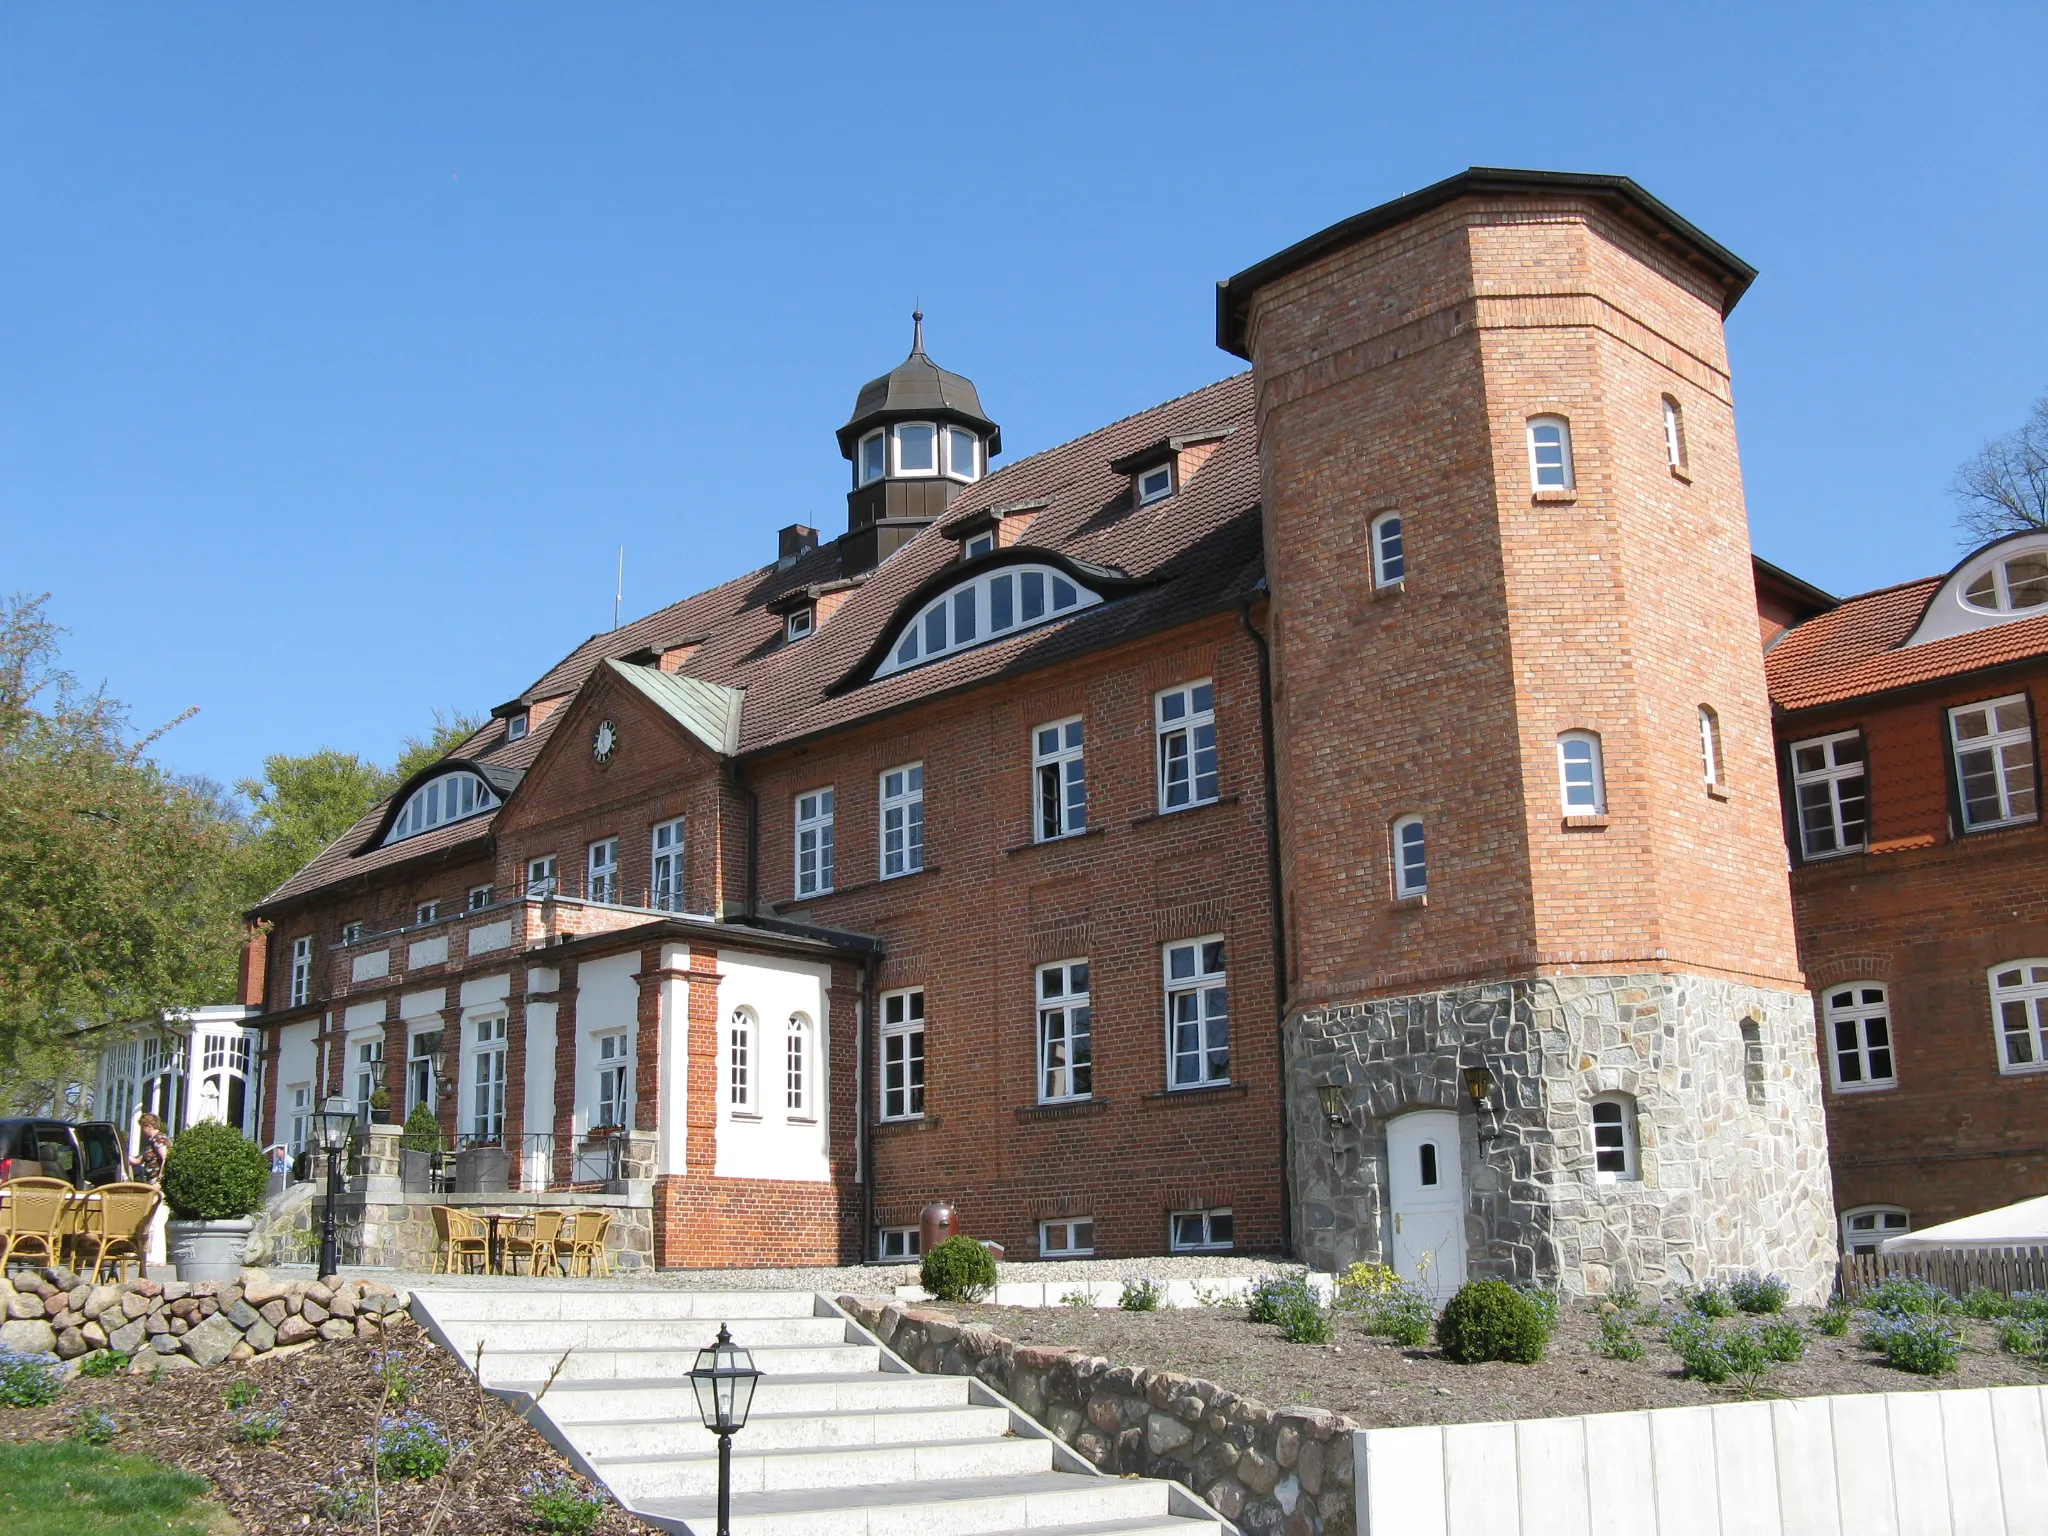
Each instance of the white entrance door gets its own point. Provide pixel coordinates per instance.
(1427, 1192)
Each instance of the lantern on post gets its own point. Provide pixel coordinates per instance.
(333, 1123)
(723, 1379)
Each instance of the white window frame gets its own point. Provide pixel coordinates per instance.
(442, 801)
(797, 625)
(541, 877)
(1562, 475)
(1609, 1135)
(1196, 976)
(1146, 491)
(612, 1060)
(601, 872)
(478, 899)
(1850, 1004)
(1581, 776)
(796, 1069)
(948, 434)
(995, 604)
(1059, 779)
(1713, 767)
(2018, 803)
(1389, 550)
(354, 932)
(861, 476)
(901, 1080)
(901, 820)
(419, 1069)
(426, 912)
(897, 1245)
(1827, 780)
(368, 1057)
(1674, 433)
(980, 544)
(668, 848)
(2029, 996)
(813, 838)
(1206, 1240)
(896, 450)
(302, 970)
(1867, 1238)
(741, 1064)
(1187, 760)
(1411, 877)
(300, 1135)
(1066, 1032)
(488, 1052)
(1999, 572)
(1073, 1243)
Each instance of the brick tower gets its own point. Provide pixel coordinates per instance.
(1539, 934)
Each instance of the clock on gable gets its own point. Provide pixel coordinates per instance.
(605, 742)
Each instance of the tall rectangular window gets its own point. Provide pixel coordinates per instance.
(903, 821)
(302, 970)
(603, 884)
(1062, 779)
(1389, 555)
(902, 1054)
(1994, 747)
(419, 1069)
(739, 1061)
(487, 1080)
(1197, 1014)
(1829, 784)
(2019, 1001)
(301, 1098)
(1185, 719)
(540, 877)
(369, 1074)
(667, 893)
(814, 842)
(614, 1078)
(1066, 1047)
(1581, 780)
(1550, 453)
(1859, 1028)
(1710, 747)
(796, 1064)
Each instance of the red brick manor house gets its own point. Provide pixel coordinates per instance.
(1332, 811)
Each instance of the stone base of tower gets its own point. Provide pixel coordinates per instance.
(1726, 1144)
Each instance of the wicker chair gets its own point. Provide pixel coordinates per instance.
(35, 1216)
(463, 1237)
(534, 1239)
(115, 1227)
(582, 1241)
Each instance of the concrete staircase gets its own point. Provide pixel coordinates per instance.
(844, 1439)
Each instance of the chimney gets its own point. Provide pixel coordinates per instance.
(792, 544)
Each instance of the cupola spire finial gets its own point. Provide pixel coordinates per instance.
(917, 329)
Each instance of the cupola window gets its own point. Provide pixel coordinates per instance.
(917, 448)
(985, 608)
(874, 461)
(963, 454)
(1155, 484)
(452, 797)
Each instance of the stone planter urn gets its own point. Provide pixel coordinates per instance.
(209, 1250)
(481, 1170)
(416, 1171)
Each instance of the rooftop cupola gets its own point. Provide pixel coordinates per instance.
(917, 434)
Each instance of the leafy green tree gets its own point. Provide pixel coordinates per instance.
(451, 729)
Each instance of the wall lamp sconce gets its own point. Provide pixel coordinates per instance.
(1335, 1111)
(1480, 1083)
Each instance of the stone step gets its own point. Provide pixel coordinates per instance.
(505, 1365)
(800, 1430)
(600, 1332)
(627, 1399)
(602, 1300)
(638, 1479)
(1038, 1502)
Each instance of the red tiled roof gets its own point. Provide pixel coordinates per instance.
(1853, 650)
(1198, 550)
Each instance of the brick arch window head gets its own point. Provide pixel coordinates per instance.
(1858, 1020)
(1389, 551)
(1411, 858)
(1550, 454)
(1581, 777)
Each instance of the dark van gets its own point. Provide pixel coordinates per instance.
(86, 1154)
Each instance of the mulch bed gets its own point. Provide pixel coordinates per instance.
(334, 1398)
(1379, 1384)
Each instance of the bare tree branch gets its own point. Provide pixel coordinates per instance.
(2004, 489)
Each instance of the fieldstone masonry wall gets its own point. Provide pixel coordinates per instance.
(1282, 1470)
(1733, 1149)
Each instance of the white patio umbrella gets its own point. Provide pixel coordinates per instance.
(2023, 1225)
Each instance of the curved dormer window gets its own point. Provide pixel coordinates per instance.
(451, 797)
(985, 608)
(2018, 582)
(1999, 584)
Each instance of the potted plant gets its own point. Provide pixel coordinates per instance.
(214, 1180)
(380, 1107)
(418, 1146)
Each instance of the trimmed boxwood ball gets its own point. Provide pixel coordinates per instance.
(215, 1173)
(422, 1131)
(1491, 1320)
(959, 1269)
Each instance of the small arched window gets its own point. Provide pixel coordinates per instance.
(796, 1067)
(1582, 783)
(1411, 858)
(1389, 555)
(1864, 1227)
(451, 797)
(1615, 1158)
(739, 1061)
(1674, 434)
(1710, 748)
(1550, 453)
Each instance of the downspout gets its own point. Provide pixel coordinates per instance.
(1244, 611)
(753, 850)
(864, 1054)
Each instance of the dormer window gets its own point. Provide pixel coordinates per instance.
(917, 448)
(798, 625)
(963, 454)
(515, 727)
(984, 608)
(2021, 582)
(1155, 484)
(2005, 582)
(980, 544)
(874, 462)
(451, 797)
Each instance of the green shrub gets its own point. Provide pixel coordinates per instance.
(560, 1505)
(1709, 1353)
(1755, 1293)
(1834, 1318)
(422, 1131)
(27, 1381)
(1899, 1297)
(1142, 1295)
(1916, 1342)
(215, 1174)
(1986, 1304)
(95, 1426)
(1305, 1320)
(2029, 1305)
(959, 1269)
(1403, 1315)
(1617, 1340)
(413, 1445)
(2025, 1337)
(1782, 1340)
(1275, 1293)
(1491, 1320)
(1711, 1300)
(102, 1362)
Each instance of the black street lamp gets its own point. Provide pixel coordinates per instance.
(334, 1122)
(724, 1378)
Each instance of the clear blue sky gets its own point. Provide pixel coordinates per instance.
(341, 346)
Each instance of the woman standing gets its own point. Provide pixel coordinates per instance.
(149, 1166)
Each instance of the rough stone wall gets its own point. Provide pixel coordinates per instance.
(1733, 1157)
(1286, 1470)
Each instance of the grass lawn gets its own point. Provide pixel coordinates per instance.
(64, 1488)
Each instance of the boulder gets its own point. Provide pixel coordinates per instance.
(71, 1344)
(25, 1305)
(95, 1335)
(29, 1336)
(336, 1331)
(164, 1344)
(344, 1305)
(56, 1303)
(240, 1353)
(157, 1324)
(366, 1330)
(146, 1287)
(294, 1330)
(176, 1290)
(313, 1312)
(136, 1304)
(149, 1365)
(78, 1296)
(210, 1342)
(259, 1293)
(102, 1297)
(128, 1338)
(242, 1315)
(261, 1337)
(206, 1287)
(273, 1312)
(315, 1291)
(67, 1319)
(179, 1327)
